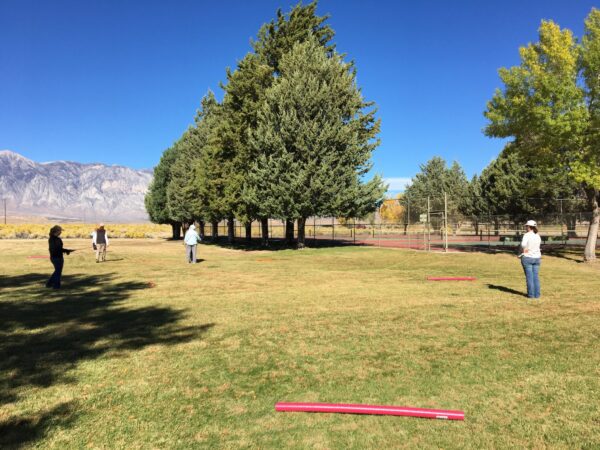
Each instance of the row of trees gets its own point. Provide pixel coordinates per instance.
(292, 138)
(504, 188)
(550, 108)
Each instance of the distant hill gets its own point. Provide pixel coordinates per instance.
(71, 191)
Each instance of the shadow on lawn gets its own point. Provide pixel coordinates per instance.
(507, 290)
(276, 244)
(570, 254)
(44, 333)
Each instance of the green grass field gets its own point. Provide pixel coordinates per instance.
(146, 351)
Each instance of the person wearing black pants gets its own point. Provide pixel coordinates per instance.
(55, 246)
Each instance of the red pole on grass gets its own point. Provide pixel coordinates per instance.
(451, 278)
(370, 409)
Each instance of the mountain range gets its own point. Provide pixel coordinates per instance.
(71, 191)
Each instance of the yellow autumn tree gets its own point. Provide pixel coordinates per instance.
(392, 210)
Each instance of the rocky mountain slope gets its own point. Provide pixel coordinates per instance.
(64, 190)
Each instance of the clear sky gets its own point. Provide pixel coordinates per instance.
(117, 82)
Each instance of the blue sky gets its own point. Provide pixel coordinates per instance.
(117, 82)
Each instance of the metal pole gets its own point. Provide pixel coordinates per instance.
(4, 211)
(445, 222)
(408, 219)
(428, 226)
(354, 230)
(333, 228)
(379, 234)
(562, 233)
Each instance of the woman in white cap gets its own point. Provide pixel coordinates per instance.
(531, 258)
(190, 241)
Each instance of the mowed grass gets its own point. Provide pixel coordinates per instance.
(146, 351)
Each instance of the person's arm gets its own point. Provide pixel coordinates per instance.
(525, 244)
(106, 237)
(62, 249)
(94, 234)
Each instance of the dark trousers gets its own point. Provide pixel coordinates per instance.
(54, 280)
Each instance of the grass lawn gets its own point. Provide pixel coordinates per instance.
(146, 351)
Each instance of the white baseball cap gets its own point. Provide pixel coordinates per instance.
(531, 223)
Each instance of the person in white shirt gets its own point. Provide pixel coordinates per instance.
(190, 241)
(531, 258)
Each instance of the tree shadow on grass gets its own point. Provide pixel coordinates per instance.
(19, 431)
(570, 254)
(276, 244)
(507, 290)
(45, 333)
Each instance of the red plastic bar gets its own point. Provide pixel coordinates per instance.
(451, 278)
(370, 409)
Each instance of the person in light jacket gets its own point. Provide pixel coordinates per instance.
(531, 258)
(190, 241)
(100, 242)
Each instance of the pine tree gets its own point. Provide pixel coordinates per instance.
(432, 182)
(315, 139)
(211, 169)
(156, 197)
(244, 92)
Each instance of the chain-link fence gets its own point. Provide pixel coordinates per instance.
(435, 223)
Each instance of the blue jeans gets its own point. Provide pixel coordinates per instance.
(54, 280)
(531, 266)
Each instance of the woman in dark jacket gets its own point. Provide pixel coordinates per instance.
(55, 245)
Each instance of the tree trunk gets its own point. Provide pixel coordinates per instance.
(176, 230)
(496, 226)
(289, 232)
(215, 230)
(571, 222)
(230, 230)
(248, 226)
(476, 225)
(264, 228)
(589, 254)
(201, 228)
(301, 232)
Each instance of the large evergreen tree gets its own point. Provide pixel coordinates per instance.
(156, 197)
(315, 138)
(181, 198)
(212, 168)
(244, 93)
(435, 179)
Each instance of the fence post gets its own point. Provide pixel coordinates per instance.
(428, 225)
(333, 228)
(445, 222)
